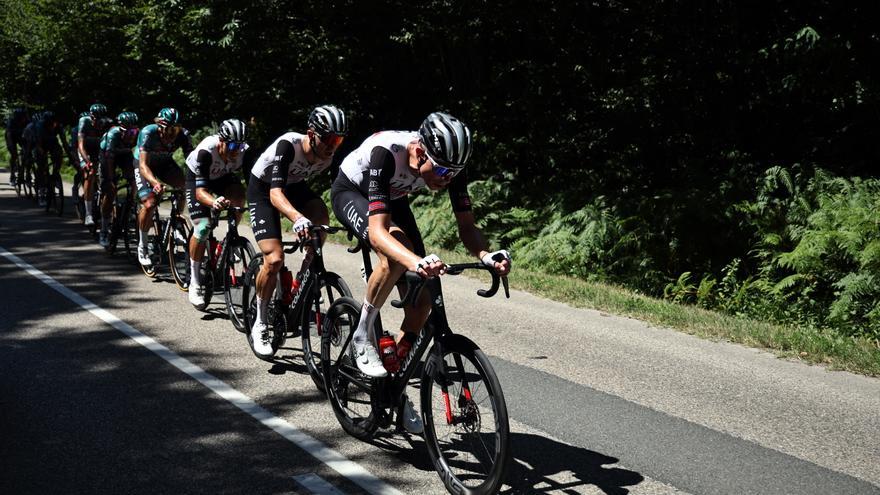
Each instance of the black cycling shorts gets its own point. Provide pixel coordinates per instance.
(218, 187)
(265, 219)
(350, 207)
(122, 161)
(166, 171)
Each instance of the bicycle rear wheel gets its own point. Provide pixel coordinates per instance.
(239, 254)
(350, 391)
(178, 252)
(330, 288)
(465, 416)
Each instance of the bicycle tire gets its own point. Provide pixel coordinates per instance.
(130, 230)
(55, 196)
(467, 459)
(154, 242)
(277, 319)
(330, 288)
(239, 254)
(349, 391)
(178, 252)
(76, 192)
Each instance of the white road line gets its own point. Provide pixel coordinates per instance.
(336, 461)
(316, 484)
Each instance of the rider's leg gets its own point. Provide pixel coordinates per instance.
(200, 215)
(90, 183)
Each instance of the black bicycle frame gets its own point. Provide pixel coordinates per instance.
(312, 269)
(435, 366)
(231, 235)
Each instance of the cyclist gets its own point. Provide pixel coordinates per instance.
(73, 146)
(156, 144)
(28, 143)
(116, 146)
(370, 195)
(211, 183)
(277, 187)
(46, 142)
(89, 132)
(15, 125)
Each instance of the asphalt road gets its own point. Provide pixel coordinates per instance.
(111, 382)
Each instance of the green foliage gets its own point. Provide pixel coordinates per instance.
(628, 142)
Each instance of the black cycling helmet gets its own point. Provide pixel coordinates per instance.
(47, 117)
(19, 112)
(446, 139)
(327, 119)
(233, 130)
(98, 110)
(127, 119)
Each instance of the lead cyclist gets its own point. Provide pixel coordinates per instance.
(370, 197)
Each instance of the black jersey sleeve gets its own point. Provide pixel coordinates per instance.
(203, 171)
(458, 193)
(284, 155)
(379, 175)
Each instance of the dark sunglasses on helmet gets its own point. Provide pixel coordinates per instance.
(331, 140)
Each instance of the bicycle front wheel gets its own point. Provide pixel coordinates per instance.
(55, 196)
(465, 416)
(238, 256)
(330, 288)
(350, 392)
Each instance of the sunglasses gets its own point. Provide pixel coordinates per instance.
(331, 140)
(441, 171)
(232, 146)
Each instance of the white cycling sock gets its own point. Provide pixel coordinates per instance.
(194, 273)
(262, 309)
(88, 208)
(143, 238)
(365, 325)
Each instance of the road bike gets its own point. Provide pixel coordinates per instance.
(298, 305)
(168, 240)
(463, 409)
(225, 265)
(124, 226)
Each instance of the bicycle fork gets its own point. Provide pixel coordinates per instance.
(436, 368)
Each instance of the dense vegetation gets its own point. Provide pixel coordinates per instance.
(718, 153)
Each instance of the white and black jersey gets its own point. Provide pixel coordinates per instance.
(380, 170)
(206, 164)
(284, 162)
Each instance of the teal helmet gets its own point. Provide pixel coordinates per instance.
(127, 119)
(167, 116)
(97, 111)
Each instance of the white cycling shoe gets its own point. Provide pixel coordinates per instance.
(144, 256)
(262, 338)
(89, 221)
(368, 361)
(412, 420)
(197, 296)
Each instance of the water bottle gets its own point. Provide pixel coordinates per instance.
(388, 352)
(286, 285)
